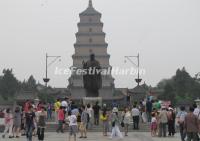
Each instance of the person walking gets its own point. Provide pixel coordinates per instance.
(115, 124)
(73, 126)
(29, 123)
(136, 117)
(57, 106)
(49, 111)
(90, 119)
(84, 122)
(191, 126)
(181, 121)
(171, 121)
(17, 122)
(154, 124)
(126, 120)
(8, 123)
(61, 118)
(96, 109)
(149, 106)
(105, 119)
(41, 124)
(163, 122)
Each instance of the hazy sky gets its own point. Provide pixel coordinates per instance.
(166, 33)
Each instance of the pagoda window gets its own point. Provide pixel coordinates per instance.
(90, 40)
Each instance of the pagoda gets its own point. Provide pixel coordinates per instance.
(90, 39)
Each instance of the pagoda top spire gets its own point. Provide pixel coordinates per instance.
(90, 3)
(90, 10)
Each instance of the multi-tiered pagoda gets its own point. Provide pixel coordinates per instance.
(90, 39)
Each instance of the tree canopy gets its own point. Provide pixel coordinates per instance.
(180, 87)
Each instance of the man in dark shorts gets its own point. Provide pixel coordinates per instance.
(29, 123)
(96, 109)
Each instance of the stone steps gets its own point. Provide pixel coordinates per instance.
(143, 128)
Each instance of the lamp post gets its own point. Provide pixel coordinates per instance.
(129, 58)
(46, 79)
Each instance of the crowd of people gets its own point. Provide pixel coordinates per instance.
(30, 120)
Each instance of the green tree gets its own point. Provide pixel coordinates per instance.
(9, 85)
(180, 87)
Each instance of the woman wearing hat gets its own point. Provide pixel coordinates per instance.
(115, 124)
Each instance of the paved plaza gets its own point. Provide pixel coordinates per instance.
(94, 136)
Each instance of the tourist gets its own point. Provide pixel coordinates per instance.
(90, 113)
(49, 111)
(126, 120)
(196, 110)
(115, 124)
(35, 121)
(105, 120)
(39, 106)
(57, 106)
(41, 124)
(17, 122)
(23, 129)
(74, 110)
(61, 118)
(180, 120)
(29, 123)
(84, 122)
(27, 105)
(96, 109)
(64, 104)
(197, 113)
(171, 121)
(142, 111)
(148, 109)
(191, 125)
(8, 123)
(73, 126)
(136, 117)
(154, 125)
(163, 122)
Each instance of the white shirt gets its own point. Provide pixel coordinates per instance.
(153, 120)
(135, 112)
(89, 111)
(197, 112)
(72, 120)
(64, 104)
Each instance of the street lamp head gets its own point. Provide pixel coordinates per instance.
(46, 80)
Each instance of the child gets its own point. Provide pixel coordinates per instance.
(153, 125)
(73, 126)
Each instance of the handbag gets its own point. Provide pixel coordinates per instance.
(122, 124)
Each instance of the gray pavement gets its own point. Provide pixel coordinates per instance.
(94, 136)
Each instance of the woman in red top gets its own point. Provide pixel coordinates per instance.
(61, 118)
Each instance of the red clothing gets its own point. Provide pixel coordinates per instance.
(39, 107)
(26, 106)
(61, 115)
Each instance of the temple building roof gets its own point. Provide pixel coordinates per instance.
(90, 11)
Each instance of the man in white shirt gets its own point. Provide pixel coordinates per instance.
(196, 111)
(136, 117)
(64, 104)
